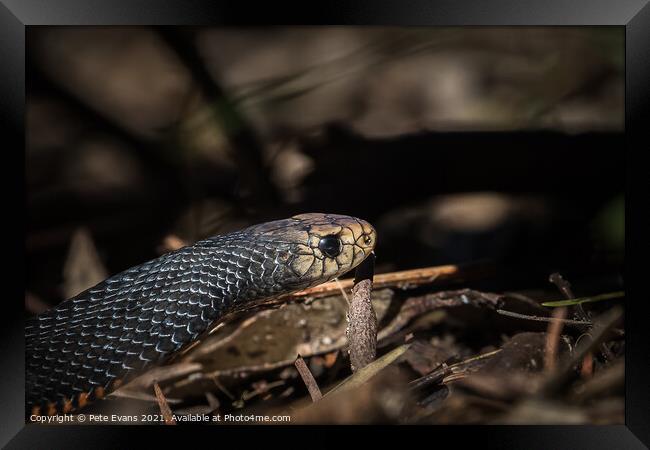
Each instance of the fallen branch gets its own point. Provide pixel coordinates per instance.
(308, 379)
(165, 410)
(553, 336)
(362, 329)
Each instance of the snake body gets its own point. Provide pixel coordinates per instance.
(81, 349)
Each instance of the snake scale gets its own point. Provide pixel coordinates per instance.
(89, 344)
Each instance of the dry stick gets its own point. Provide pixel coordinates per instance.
(136, 395)
(362, 329)
(565, 287)
(577, 323)
(261, 389)
(440, 373)
(163, 373)
(164, 407)
(363, 375)
(221, 387)
(553, 334)
(345, 296)
(308, 379)
(402, 279)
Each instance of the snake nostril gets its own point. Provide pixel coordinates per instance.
(367, 240)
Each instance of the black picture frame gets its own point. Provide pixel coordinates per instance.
(633, 15)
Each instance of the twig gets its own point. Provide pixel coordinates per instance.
(138, 395)
(366, 373)
(544, 319)
(162, 374)
(345, 296)
(362, 329)
(403, 279)
(221, 387)
(553, 334)
(261, 388)
(446, 370)
(565, 287)
(164, 407)
(308, 379)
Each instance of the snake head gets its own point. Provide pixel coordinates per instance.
(319, 246)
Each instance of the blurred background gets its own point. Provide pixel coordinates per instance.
(459, 144)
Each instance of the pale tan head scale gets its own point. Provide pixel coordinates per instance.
(336, 244)
(324, 246)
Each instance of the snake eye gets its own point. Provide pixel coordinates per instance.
(330, 246)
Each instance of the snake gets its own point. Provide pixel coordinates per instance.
(88, 345)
